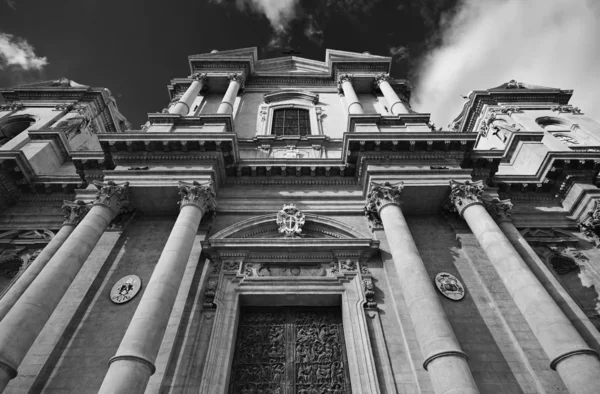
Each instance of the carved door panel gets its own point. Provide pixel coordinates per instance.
(290, 350)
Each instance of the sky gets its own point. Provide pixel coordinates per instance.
(446, 48)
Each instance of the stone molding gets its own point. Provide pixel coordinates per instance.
(74, 211)
(499, 209)
(463, 195)
(590, 225)
(380, 196)
(198, 195)
(113, 196)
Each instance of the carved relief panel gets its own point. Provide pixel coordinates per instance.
(288, 350)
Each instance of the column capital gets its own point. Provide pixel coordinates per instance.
(343, 78)
(382, 194)
(113, 196)
(590, 225)
(463, 195)
(237, 77)
(499, 209)
(379, 78)
(201, 77)
(199, 195)
(74, 211)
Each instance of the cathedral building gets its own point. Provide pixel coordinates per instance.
(291, 225)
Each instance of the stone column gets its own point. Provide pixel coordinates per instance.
(444, 359)
(74, 211)
(577, 364)
(25, 320)
(345, 86)
(182, 107)
(397, 106)
(236, 81)
(131, 367)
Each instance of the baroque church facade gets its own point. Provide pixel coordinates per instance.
(290, 225)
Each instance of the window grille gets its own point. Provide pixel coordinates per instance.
(291, 121)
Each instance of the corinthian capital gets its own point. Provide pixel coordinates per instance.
(112, 196)
(201, 196)
(499, 209)
(379, 78)
(237, 77)
(380, 196)
(74, 211)
(465, 194)
(590, 225)
(199, 77)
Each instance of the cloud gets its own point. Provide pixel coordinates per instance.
(17, 53)
(485, 43)
(12, 4)
(278, 12)
(313, 31)
(399, 53)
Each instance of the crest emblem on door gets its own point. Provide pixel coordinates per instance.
(290, 220)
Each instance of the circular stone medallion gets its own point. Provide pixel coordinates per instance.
(449, 286)
(125, 289)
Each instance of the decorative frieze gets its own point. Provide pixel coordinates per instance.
(75, 211)
(380, 196)
(463, 195)
(567, 109)
(112, 196)
(201, 196)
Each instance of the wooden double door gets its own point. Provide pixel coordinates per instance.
(290, 350)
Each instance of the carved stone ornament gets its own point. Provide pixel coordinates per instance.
(11, 262)
(201, 196)
(380, 196)
(449, 286)
(230, 266)
(201, 77)
(499, 209)
(290, 220)
(113, 196)
(369, 289)
(379, 78)
(567, 109)
(239, 78)
(590, 225)
(349, 265)
(125, 289)
(75, 211)
(465, 194)
(343, 78)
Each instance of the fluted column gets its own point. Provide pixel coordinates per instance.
(352, 101)
(444, 359)
(74, 211)
(182, 107)
(397, 106)
(577, 364)
(236, 81)
(25, 320)
(131, 367)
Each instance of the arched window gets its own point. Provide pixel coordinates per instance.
(291, 121)
(14, 125)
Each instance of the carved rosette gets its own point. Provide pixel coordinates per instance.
(499, 209)
(113, 196)
(201, 196)
(463, 195)
(74, 211)
(380, 196)
(590, 225)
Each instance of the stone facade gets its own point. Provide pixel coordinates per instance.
(460, 260)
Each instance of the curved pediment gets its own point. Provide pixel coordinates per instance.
(283, 95)
(265, 226)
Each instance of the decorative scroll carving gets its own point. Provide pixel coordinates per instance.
(590, 225)
(201, 196)
(349, 265)
(364, 269)
(230, 266)
(335, 267)
(343, 78)
(271, 269)
(290, 350)
(201, 77)
(380, 196)
(290, 220)
(465, 194)
(239, 78)
(379, 78)
(74, 211)
(567, 109)
(369, 289)
(209, 294)
(113, 196)
(499, 209)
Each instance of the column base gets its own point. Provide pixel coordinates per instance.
(444, 354)
(127, 375)
(563, 356)
(7, 373)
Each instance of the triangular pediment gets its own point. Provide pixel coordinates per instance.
(55, 83)
(513, 84)
(228, 53)
(291, 64)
